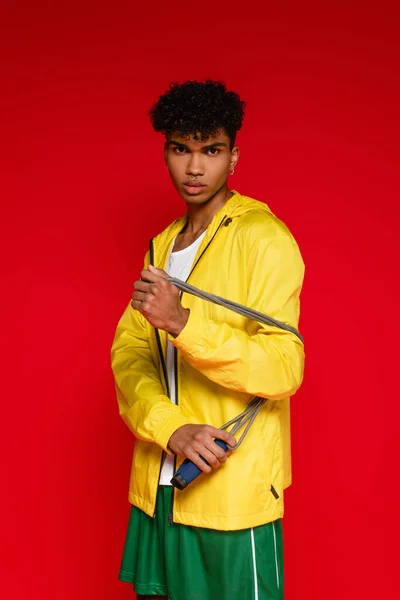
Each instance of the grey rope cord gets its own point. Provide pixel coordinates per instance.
(248, 416)
(245, 311)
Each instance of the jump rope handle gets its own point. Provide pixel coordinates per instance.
(188, 471)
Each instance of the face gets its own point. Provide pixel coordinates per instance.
(199, 169)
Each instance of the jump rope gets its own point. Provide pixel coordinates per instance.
(188, 471)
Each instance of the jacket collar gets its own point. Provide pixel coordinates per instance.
(163, 242)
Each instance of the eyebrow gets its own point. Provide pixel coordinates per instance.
(213, 145)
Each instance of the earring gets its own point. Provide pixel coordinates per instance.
(232, 172)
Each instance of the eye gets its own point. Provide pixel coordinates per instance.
(179, 150)
(213, 151)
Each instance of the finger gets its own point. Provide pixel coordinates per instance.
(139, 296)
(156, 271)
(216, 450)
(199, 462)
(219, 452)
(220, 434)
(137, 305)
(212, 457)
(148, 276)
(142, 286)
(211, 452)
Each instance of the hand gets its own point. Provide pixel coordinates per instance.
(158, 301)
(193, 441)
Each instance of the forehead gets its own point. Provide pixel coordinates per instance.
(196, 140)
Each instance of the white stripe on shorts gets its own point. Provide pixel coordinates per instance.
(276, 557)
(253, 549)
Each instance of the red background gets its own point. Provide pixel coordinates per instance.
(83, 187)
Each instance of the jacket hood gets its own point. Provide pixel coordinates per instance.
(234, 208)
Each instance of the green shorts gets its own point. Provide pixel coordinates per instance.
(192, 563)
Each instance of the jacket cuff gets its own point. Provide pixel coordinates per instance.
(189, 335)
(163, 434)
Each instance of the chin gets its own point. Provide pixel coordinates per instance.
(196, 199)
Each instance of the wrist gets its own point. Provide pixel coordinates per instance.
(177, 327)
(171, 442)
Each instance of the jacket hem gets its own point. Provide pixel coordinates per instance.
(141, 504)
(217, 522)
(230, 523)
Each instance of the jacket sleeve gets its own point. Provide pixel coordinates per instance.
(261, 360)
(143, 404)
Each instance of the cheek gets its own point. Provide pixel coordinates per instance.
(176, 167)
(219, 169)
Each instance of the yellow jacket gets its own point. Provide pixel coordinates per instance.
(223, 361)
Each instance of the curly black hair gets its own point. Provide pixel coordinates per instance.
(198, 108)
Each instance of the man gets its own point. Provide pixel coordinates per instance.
(184, 367)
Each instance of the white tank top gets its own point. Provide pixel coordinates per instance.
(179, 265)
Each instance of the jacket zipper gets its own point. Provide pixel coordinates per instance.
(170, 516)
(164, 369)
(161, 353)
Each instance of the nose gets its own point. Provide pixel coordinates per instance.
(195, 165)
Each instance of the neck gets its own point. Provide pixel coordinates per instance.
(201, 215)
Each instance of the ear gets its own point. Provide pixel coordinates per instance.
(235, 153)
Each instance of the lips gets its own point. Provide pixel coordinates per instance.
(193, 184)
(193, 187)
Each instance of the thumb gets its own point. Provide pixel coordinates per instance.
(156, 271)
